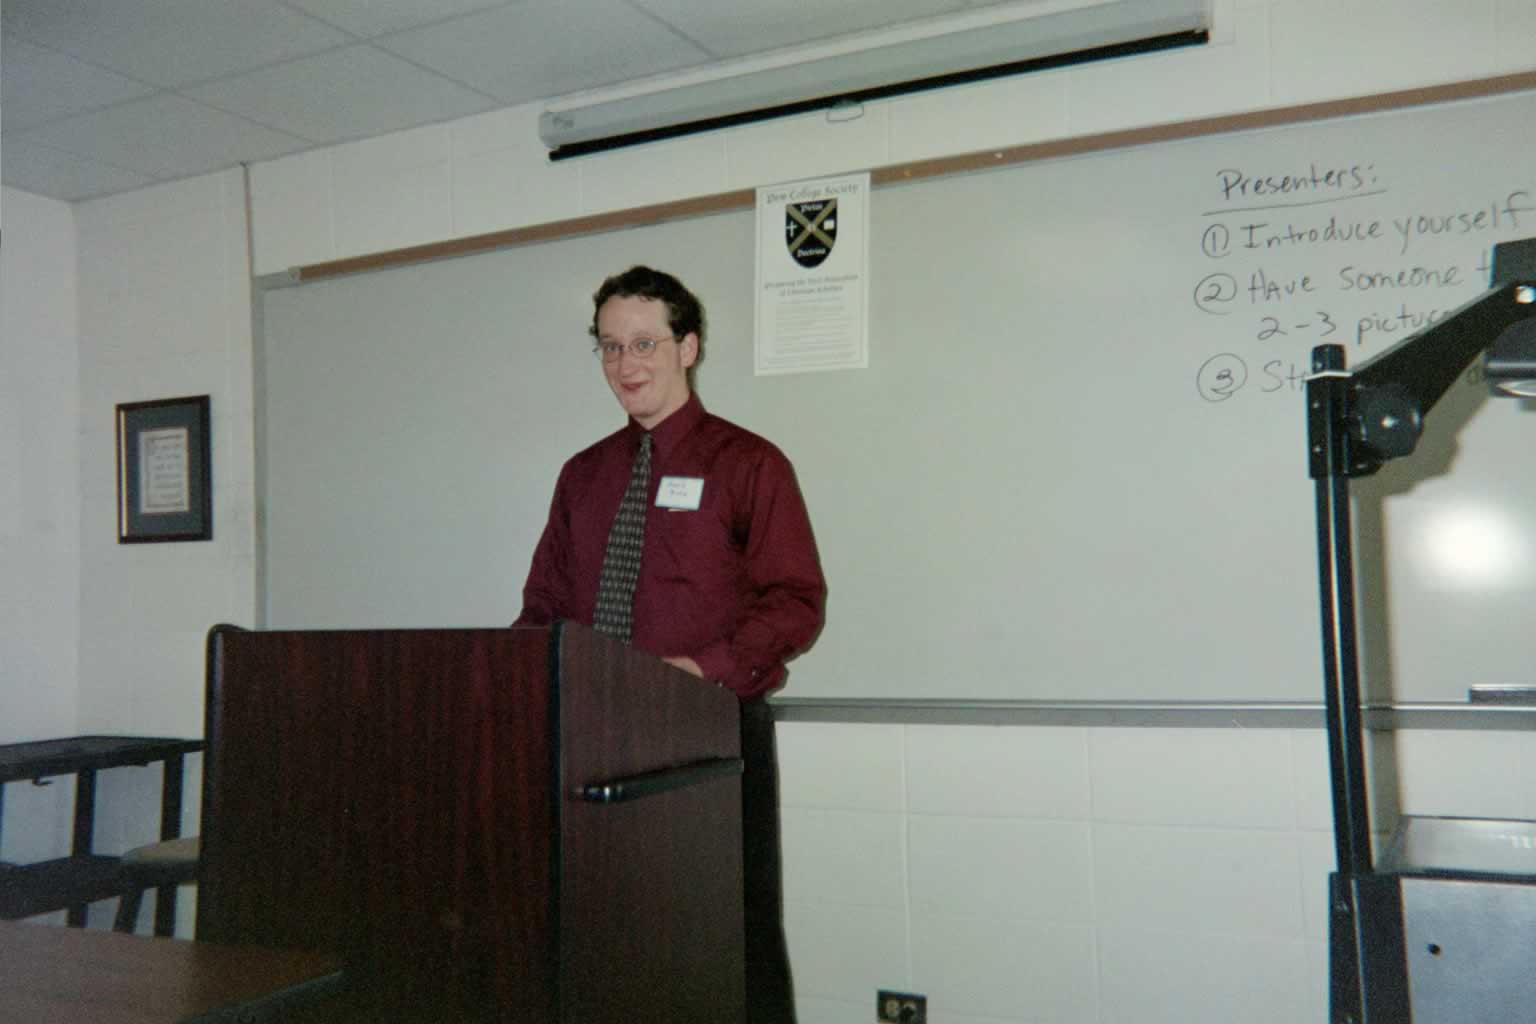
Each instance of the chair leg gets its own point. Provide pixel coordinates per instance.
(128, 911)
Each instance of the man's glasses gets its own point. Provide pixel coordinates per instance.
(640, 348)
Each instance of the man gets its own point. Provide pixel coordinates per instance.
(728, 584)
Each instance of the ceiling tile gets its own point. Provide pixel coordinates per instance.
(48, 172)
(164, 137)
(259, 79)
(40, 85)
(171, 43)
(369, 18)
(343, 94)
(543, 48)
(733, 30)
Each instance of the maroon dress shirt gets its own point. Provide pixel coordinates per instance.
(735, 584)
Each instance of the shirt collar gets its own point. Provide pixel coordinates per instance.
(674, 428)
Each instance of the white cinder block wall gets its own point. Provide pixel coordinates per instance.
(39, 505)
(1013, 874)
(1057, 874)
(165, 311)
(1090, 874)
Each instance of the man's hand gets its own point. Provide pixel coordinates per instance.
(686, 664)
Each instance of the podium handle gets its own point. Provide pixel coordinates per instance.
(663, 780)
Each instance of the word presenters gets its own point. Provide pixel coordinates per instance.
(1345, 242)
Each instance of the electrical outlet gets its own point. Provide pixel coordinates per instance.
(901, 1008)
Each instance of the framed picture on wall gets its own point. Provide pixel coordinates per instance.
(164, 476)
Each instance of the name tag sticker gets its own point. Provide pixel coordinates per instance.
(680, 492)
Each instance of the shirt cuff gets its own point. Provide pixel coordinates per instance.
(717, 663)
(720, 664)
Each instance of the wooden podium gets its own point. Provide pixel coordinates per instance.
(530, 824)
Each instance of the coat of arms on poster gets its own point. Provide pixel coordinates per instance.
(812, 300)
(811, 228)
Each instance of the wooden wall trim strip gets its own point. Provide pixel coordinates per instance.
(1226, 124)
(898, 174)
(552, 231)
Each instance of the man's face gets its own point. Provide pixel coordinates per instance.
(650, 389)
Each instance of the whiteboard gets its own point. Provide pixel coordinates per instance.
(1074, 469)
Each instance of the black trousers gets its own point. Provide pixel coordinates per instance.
(770, 992)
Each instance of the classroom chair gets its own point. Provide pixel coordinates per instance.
(170, 862)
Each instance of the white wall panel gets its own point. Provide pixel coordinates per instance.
(392, 191)
(1004, 967)
(1214, 777)
(835, 765)
(806, 146)
(503, 177)
(986, 867)
(1198, 880)
(999, 772)
(293, 210)
(656, 173)
(843, 857)
(1167, 977)
(1322, 50)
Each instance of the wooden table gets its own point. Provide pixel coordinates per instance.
(69, 883)
(51, 975)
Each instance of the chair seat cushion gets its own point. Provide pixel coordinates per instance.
(166, 854)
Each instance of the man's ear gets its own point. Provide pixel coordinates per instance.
(689, 346)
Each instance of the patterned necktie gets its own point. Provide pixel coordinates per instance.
(621, 561)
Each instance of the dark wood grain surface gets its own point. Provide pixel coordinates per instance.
(52, 975)
(385, 794)
(650, 891)
(411, 799)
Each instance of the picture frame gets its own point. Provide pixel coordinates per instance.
(164, 471)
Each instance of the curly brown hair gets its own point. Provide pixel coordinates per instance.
(685, 313)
